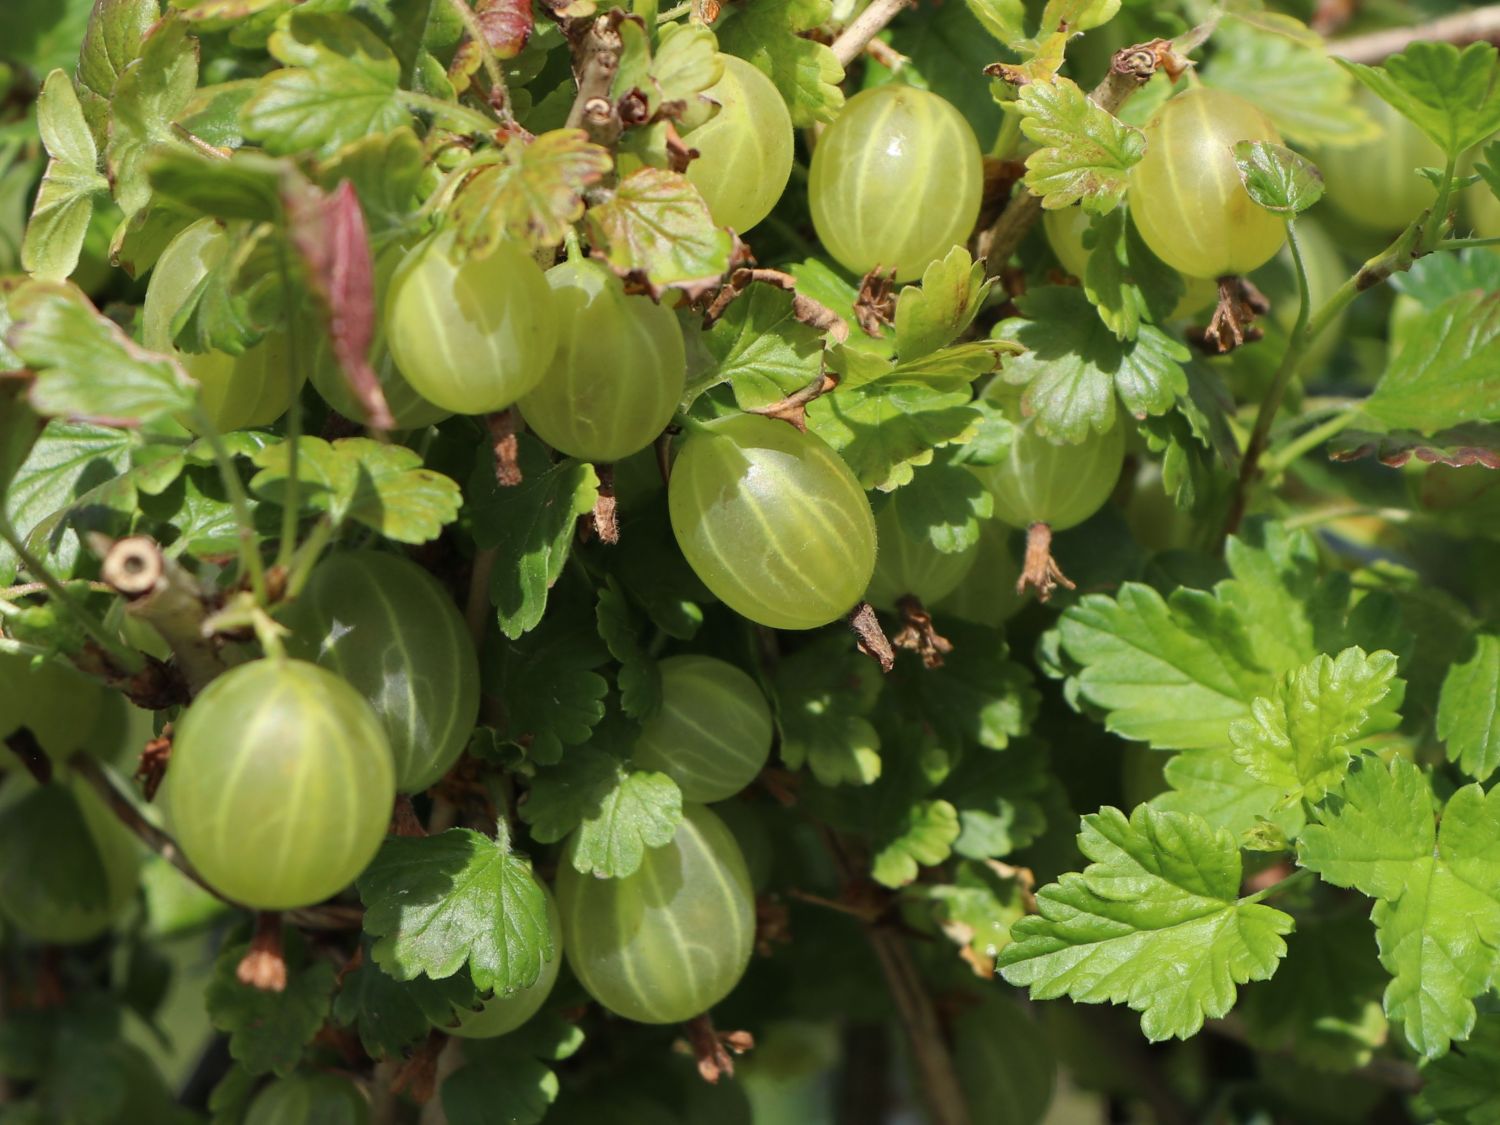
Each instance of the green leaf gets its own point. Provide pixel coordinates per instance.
(822, 696)
(530, 527)
(152, 92)
(761, 349)
(1004, 19)
(1084, 153)
(386, 171)
(933, 316)
(535, 195)
(390, 1015)
(1449, 93)
(65, 201)
(655, 227)
(887, 420)
(1162, 889)
(925, 838)
(1125, 281)
(1277, 178)
(1468, 718)
(113, 41)
(1447, 371)
(1074, 367)
(1211, 784)
(979, 695)
(806, 73)
(943, 505)
(685, 64)
(640, 677)
(1463, 1087)
(999, 798)
(379, 485)
(437, 903)
(508, 1088)
(1437, 918)
(617, 812)
(1300, 739)
(269, 1030)
(86, 368)
(340, 83)
(246, 186)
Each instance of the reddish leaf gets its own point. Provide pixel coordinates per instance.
(1475, 443)
(330, 235)
(507, 25)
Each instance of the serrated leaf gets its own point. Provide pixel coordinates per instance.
(979, 695)
(245, 186)
(1447, 371)
(530, 526)
(1474, 443)
(111, 43)
(1211, 784)
(999, 798)
(535, 195)
(1450, 94)
(1161, 888)
(807, 74)
(1004, 19)
(1437, 917)
(386, 171)
(1468, 718)
(379, 485)
(941, 310)
(1463, 1087)
(640, 676)
(1084, 153)
(65, 201)
(616, 812)
(1125, 281)
(943, 505)
(1277, 178)
(686, 62)
(761, 349)
(656, 228)
(1300, 738)
(86, 368)
(268, 1031)
(390, 1015)
(924, 839)
(1074, 367)
(476, 1092)
(822, 696)
(340, 83)
(437, 903)
(152, 92)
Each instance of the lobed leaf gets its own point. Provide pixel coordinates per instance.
(1448, 370)
(925, 839)
(268, 1031)
(941, 310)
(65, 200)
(1084, 153)
(535, 195)
(1468, 717)
(1448, 93)
(1277, 178)
(655, 228)
(151, 93)
(807, 74)
(640, 676)
(761, 349)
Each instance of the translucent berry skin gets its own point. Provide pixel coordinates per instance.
(772, 521)
(1375, 183)
(617, 375)
(281, 784)
(58, 705)
(503, 1014)
(1039, 482)
(471, 335)
(668, 942)
(744, 150)
(309, 1099)
(1065, 228)
(67, 865)
(389, 629)
(1186, 198)
(895, 181)
(909, 565)
(253, 389)
(713, 733)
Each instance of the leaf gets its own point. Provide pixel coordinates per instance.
(617, 812)
(1084, 153)
(926, 839)
(979, 695)
(655, 228)
(1448, 370)
(822, 696)
(1473, 443)
(999, 798)
(1073, 366)
(339, 84)
(1211, 784)
(1125, 281)
(86, 368)
(112, 42)
(1437, 918)
(685, 64)
(245, 186)
(530, 527)
(535, 195)
(65, 201)
(269, 1030)
(1300, 739)
(381, 486)
(390, 1015)
(1283, 69)
(509, 1088)
(1277, 178)
(944, 506)
(1450, 94)
(1004, 19)
(1162, 889)
(152, 92)
(1434, 278)
(506, 24)
(437, 903)
(1463, 1087)
(386, 171)
(1468, 718)
(807, 74)
(761, 349)
(933, 316)
(640, 676)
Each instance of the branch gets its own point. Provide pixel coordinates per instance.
(871, 22)
(1477, 25)
(596, 58)
(170, 600)
(1130, 69)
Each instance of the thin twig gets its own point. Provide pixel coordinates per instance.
(596, 60)
(871, 22)
(1477, 25)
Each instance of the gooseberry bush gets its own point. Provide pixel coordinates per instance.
(776, 561)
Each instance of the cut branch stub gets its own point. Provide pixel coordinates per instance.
(163, 594)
